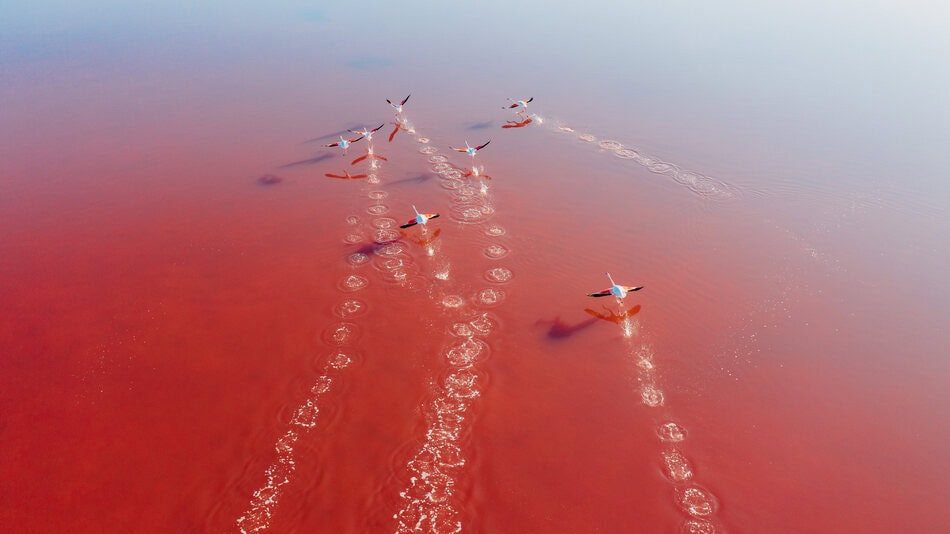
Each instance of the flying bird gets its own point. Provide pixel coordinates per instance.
(522, 104)
(470, 150)
(344, 143)
(615, 290)
(421, 218)
(368, 134)
(398, 107)
(346, 175)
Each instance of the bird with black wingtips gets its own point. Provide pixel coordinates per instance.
(615, 289)
(420, 218)
(344, 143)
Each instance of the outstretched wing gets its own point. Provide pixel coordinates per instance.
(376, 129)
(604, 293)
(331, 145)
(408, 224)
(354, 139)
(529, 100)
(432, 215)
(631, 289)
(510, 106)
(459, 149)
(483, 146)
(404, 100)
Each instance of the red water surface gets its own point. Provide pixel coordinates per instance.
(165, 318)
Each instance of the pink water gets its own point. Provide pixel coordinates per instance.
(185, 349)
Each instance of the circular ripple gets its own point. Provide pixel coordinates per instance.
(385, 222)
(340, 359)
(438, 158)
(452, 301)
(483, 324)
(461, 384)
(677, 466)
(385, 236)
(652, 396)
(566, 129)
(392, 263)
(352, 239)
(452, 174)
(349, 308)
(469, 214)
(610, 145)
(698, 526)
(378, 209)
(450, 184)
(661, 167)
(461, 329)
(498, 274)
(353, 282)
(440, 167)
(587, 138)
(341, 334)
(495, 252)
(422, 140)
(429, 150)
(391, 249)
(352, 220)
(671, 432)
(372, 179)
(490, 297)
(465, 352)
(377, 195)
(357, 258)
(626, 153)
(695, 501)
(494, 230)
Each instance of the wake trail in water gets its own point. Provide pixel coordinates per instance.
(432, 489)
(341, 340)
(697, 503)
(705, 186)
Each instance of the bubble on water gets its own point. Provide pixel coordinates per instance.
(494, 230)
(671, 432)
(339, 360)
(357, 258)
(695, 501)
(652, 396)
(490, 297)
(610, 145)
(353, 282)
(483, 324)
(378, 209)
(465, 352)
(437, 158)
(306, 415)
(341, 334)
(391, 249)
(372, 178)
(471, 214)
(440, 167)
(321, 385)
(626, 153)
(495, 251)
(352, 220)
(452, 301)
(443, 406)
(428, 150)
(422, 140)
(285, 444)
(698, 526)
(677, 466)
(498, 274)
(587, 138)
(452, 174)
(352, 239)
(385, 222)
(349, 308)
(377, 195)
(385, 236)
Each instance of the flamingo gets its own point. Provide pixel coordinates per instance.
(421, 218)
(522, 104)
(471, 150)
(368, 134)
(398, 107)
(616, 290)
(344, 143)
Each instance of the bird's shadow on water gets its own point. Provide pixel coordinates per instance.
(480, 125)
(560, 329)
(611, 316)
(310, 161)
(418, 179)
(334, 135)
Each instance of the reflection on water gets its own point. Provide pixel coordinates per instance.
(183, 350)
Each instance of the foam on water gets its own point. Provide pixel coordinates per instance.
(498, 275)
(349, 308)
(353, 282)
